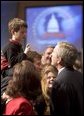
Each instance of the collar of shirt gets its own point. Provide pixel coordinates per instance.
(15, 42)
(60, 70)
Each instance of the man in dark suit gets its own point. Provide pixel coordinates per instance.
(67, 90)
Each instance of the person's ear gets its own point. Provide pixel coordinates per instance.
(12, 31)
(59, 59)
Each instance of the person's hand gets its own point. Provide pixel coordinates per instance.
(4, 96)
(27, 48)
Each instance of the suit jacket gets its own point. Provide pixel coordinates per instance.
(67, 93)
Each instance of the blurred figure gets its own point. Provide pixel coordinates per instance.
(78, 63)
(4, 83)
(67, 90)
(22, 90)
(46, 57)
(4, 62)
(13, 51)
(35, 58)
(48, 74)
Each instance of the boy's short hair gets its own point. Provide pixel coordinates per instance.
(15, 24)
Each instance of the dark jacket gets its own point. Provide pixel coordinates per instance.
(67, 93)
(13, 52)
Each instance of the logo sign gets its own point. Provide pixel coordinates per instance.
(53, 24)
(49, 25)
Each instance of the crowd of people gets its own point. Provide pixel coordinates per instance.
(39, 84)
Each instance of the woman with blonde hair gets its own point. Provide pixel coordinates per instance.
(48, 74)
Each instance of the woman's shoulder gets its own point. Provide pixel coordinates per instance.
(18, 105)
(21, 100)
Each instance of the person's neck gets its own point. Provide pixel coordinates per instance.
(59, 67)
(15, 39)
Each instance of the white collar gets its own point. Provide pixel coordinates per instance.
(60, 69)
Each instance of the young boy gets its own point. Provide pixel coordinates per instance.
(13, 51)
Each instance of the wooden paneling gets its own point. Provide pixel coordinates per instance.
(23, 4)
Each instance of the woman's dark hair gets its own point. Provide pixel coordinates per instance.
(25, 81)
(31, 55)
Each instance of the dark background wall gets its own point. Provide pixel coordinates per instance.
(10, 9)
